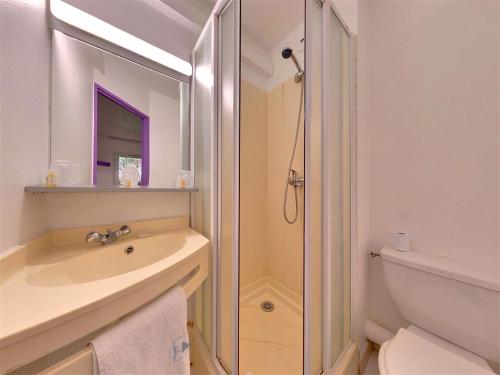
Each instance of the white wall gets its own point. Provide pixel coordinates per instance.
(164, 139)
(434, 138)
(76, 210)
(24, 115)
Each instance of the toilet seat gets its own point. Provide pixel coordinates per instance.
(410, 353)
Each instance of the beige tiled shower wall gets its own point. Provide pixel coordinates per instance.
(285, 240)
(253, 182)
(270, 246)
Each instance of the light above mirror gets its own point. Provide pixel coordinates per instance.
(95, 26)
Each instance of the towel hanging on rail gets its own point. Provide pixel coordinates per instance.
(152, 341)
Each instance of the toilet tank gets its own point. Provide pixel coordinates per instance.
(451, 299)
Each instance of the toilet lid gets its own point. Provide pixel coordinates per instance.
(408, 353)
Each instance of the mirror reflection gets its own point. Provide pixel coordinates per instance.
(122, 141)
(115, 122)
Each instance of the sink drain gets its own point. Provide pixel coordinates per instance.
(267, 306)
(129, 250)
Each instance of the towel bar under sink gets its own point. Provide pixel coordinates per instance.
(81, 363)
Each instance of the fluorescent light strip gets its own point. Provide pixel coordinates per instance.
(93, 25)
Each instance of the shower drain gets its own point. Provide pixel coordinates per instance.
(267, 306)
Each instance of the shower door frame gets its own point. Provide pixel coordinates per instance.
(219, 9)
(326, 294)
(209, 26)
(329, 6)
(213, 23)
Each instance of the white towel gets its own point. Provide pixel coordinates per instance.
(152, 341)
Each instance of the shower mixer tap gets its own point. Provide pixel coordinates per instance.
(294, 179)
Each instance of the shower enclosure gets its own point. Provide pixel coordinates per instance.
(271, 108)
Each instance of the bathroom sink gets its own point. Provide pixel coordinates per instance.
(54, 291)
(67, 265)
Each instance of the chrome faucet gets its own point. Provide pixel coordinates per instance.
(109, 237)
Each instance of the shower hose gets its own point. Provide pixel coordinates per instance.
(292, 175)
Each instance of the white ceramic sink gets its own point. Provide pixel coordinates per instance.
(48, 286)
(93, 262)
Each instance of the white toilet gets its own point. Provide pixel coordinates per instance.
(454, 311)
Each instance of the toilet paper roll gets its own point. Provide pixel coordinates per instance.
(401, 241)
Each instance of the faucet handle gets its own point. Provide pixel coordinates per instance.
(92, 236)
(125, 229)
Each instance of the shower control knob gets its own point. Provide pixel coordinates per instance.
(294, 179)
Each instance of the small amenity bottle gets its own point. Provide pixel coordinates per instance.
(51, 178)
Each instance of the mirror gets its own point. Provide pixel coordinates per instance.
(115, 122)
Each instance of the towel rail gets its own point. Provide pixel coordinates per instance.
(81, 363)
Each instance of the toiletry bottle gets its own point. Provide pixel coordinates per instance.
(51, 178)
(182, 179)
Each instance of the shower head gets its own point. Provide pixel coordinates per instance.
(287, 53)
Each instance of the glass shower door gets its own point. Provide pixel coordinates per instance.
(203, 201)
(328, 187)
(324, 205)
(227, 280)
(336, 185)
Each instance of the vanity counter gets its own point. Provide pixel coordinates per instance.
(54, 291)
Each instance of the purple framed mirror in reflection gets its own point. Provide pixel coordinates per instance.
(120, 141)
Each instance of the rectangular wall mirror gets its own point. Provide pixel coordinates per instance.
(115, 122)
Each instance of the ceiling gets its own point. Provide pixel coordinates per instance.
(267, 22)
(197, 11)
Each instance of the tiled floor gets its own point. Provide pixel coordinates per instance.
(372, 365)
(270, 342)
